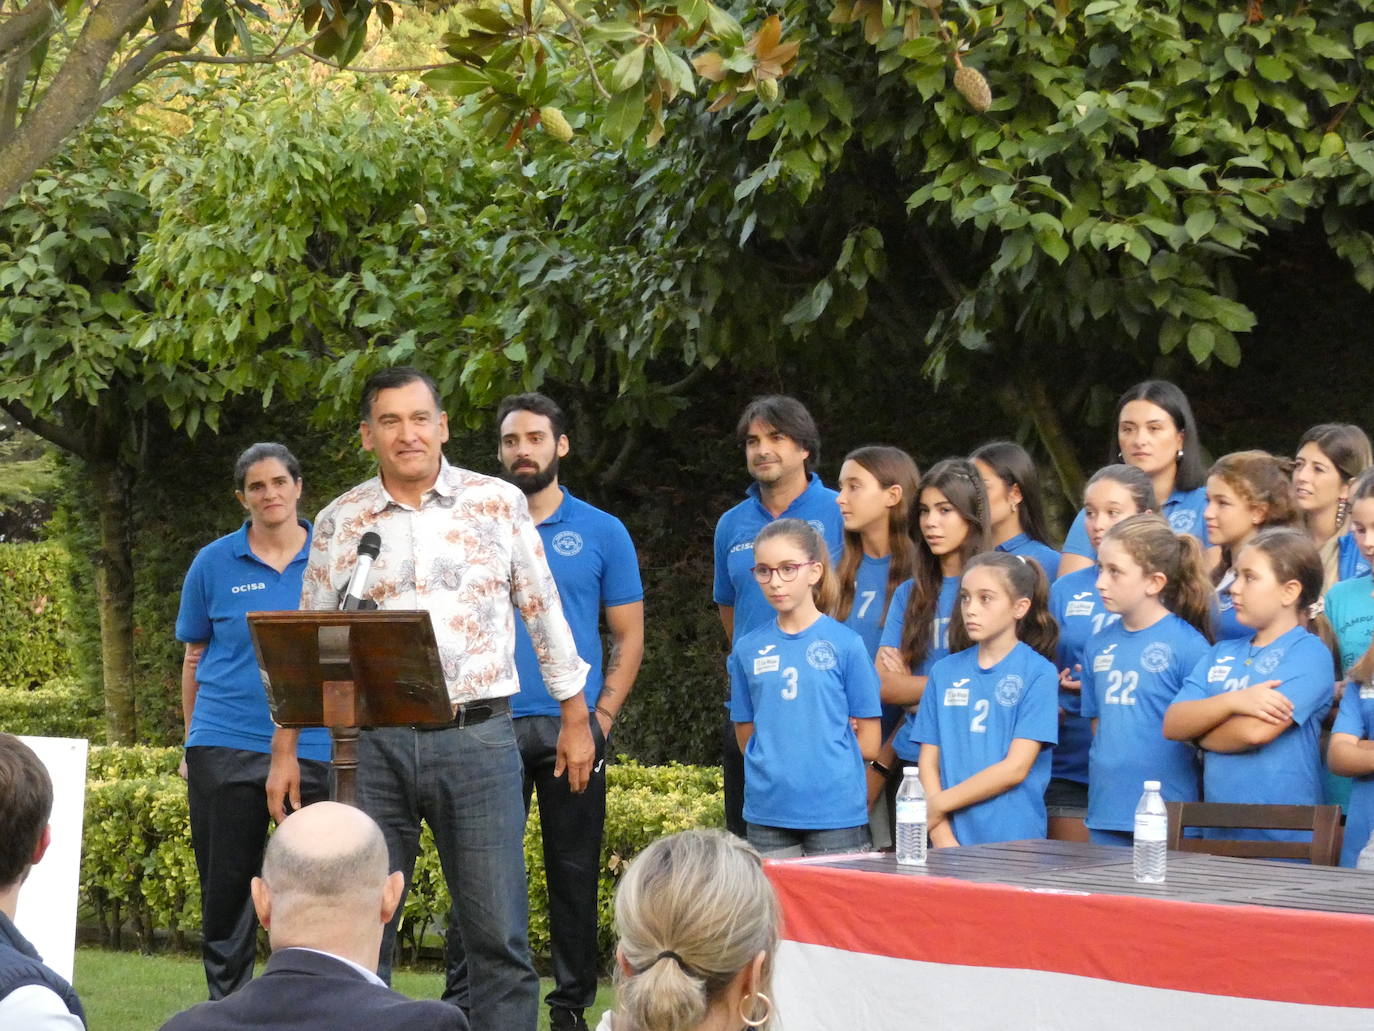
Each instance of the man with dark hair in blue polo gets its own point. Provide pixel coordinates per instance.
(594, 564)
(781, 448)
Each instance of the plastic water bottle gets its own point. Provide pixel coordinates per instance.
(911, 819)
(1366, 858)
(1151, 836)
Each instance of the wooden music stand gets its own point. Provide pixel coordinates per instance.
(349, 670)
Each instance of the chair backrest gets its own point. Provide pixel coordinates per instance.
(1324, 821)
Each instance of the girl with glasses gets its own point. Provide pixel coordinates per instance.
(804, 701)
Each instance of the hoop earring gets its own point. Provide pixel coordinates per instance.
(767, 1009)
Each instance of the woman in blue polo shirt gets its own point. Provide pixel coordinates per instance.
(228, 725)
(1155, 432)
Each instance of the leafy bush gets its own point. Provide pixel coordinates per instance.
(34, 597)
(138, 872)
(64, 707)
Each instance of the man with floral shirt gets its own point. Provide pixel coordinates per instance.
(462, 546)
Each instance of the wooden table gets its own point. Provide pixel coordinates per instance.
(1050, 934)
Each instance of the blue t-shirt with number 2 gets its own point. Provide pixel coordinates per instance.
(972, 715)
(802, 767)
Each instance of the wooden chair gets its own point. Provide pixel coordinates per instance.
(1324, 821)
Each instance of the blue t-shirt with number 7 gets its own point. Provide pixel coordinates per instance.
(972, 715)
(802, 767)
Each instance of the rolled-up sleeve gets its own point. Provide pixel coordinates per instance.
(318, 593)
(536, 596)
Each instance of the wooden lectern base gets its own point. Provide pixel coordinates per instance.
(341, 717)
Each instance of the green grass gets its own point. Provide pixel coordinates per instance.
(128, 991)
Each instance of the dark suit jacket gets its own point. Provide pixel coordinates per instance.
(304, 991)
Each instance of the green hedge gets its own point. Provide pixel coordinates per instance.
(138, 874)
(64, 707)
(35, 644)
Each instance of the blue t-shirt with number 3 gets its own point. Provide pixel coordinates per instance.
(972, 715)
(802, 767)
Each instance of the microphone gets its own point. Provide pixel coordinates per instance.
(368, 549)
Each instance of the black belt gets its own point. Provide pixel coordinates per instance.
(469, 714)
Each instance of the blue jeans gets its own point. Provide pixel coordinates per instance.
(466, 784)
(783, 843)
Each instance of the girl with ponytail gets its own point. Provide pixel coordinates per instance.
(1114, 493)
(1135, 667)
(989, 717)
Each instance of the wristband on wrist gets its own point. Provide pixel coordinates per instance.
(886, 771)
(609, 715)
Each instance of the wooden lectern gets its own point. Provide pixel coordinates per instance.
(349, 670)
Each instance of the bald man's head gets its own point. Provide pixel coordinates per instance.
(325, 875)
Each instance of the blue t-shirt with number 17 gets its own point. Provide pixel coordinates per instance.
(972, 715)
(939, 646)
(802, 767)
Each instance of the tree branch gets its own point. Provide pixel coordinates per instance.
(952, 286)
(574, 20)
(52, 432)
(24, 27)
(72, 96)
(11, 89)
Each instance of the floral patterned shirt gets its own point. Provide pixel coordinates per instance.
(469, 555)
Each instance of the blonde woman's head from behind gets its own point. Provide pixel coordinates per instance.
(697, 922)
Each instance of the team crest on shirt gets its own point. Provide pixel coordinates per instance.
(1009, 690)
(821, 655)
(1081, 605)
(1156, 657)
(818, 526)
(567, 543)
(1183, 520)
(1269, 661)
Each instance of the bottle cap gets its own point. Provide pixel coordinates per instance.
(910, 771)
(1152, 785)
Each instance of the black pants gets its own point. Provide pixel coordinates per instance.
(732, 770)
(226, 792)
(571, 826)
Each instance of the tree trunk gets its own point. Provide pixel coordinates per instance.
(114, 579)
(1028, 396)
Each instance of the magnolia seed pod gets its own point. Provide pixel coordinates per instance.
(768, 90)
(973, 87)
(555, 124)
